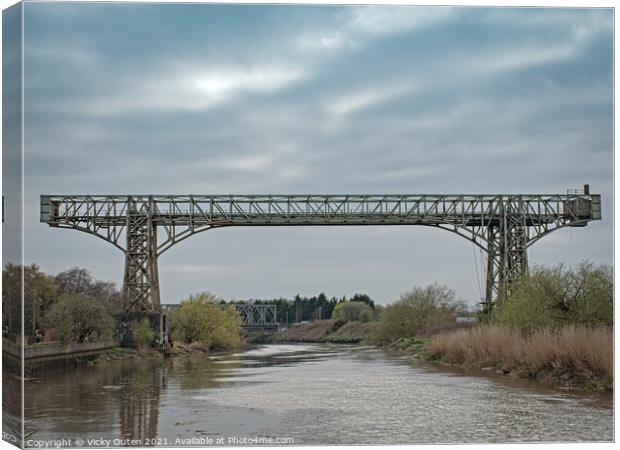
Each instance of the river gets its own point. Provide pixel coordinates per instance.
(301, 394)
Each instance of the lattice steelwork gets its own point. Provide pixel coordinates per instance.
(141, 282)
(504, 226)
(257, 316)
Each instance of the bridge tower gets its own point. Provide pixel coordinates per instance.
(506, 250)
(141, 281)
(504, 226)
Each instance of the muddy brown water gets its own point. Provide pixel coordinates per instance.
(302, 395)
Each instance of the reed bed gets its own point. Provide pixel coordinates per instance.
(580, 354)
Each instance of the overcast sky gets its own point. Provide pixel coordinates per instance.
(213, 99)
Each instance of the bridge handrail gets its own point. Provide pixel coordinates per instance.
(261, 207)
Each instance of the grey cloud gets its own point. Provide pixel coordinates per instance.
(374, 101)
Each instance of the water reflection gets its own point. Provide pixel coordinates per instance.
(315, 394)
(202, 371)
(139, 399)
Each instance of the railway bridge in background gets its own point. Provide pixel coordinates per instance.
(143, 227)
(253, 315)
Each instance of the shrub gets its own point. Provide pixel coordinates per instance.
(363, 298)
(79, 318)
(351, 311)
(201, 319)
(557, 296)
(417, 309)
(142, 332)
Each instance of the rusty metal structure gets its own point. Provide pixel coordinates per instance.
(143, 227)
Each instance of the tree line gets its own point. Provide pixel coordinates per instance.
(548, 298)
(75, 307)
(302, 309)
(71, 305)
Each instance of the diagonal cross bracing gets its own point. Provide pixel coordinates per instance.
(257, 315)
(504, 225)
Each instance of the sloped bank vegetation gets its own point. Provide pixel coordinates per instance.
(199, 325)
(556, 327)
(352, 322)
(581, 356)
(331, 331)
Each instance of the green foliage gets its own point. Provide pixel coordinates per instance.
(42, 291)
(350, 311)
(557, 296)
(404, 343)
(363, 298)
(79, 318)
(351, 332)
(308, 308)
(409, 345)
(417, 309)
(202, 319)
(379, 310)
(142, 333)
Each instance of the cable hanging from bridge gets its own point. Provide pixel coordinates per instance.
(477, 274)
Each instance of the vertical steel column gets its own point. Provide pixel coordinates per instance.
(141, 282)
(493, 268)
(515, 241)
(506, 250)
(507, 255)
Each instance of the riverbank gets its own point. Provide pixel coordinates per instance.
(319, 331)
(576, 358)
(50, 355)
(329, 331)
(579, 358)
(142, 353)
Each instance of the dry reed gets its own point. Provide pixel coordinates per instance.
(577, 352)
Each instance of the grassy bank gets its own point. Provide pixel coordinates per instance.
(123, 354)
(117, 354)
(572, 356)
(331, 331)
(352, 333)
(307, 332)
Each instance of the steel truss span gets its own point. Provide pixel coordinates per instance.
(257, 315)
(503, 225)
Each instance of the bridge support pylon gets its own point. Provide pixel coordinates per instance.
(141, 281)
(506, 253)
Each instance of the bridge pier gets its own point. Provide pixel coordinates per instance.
(141, 282)
(515, 237)
(506, 258)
